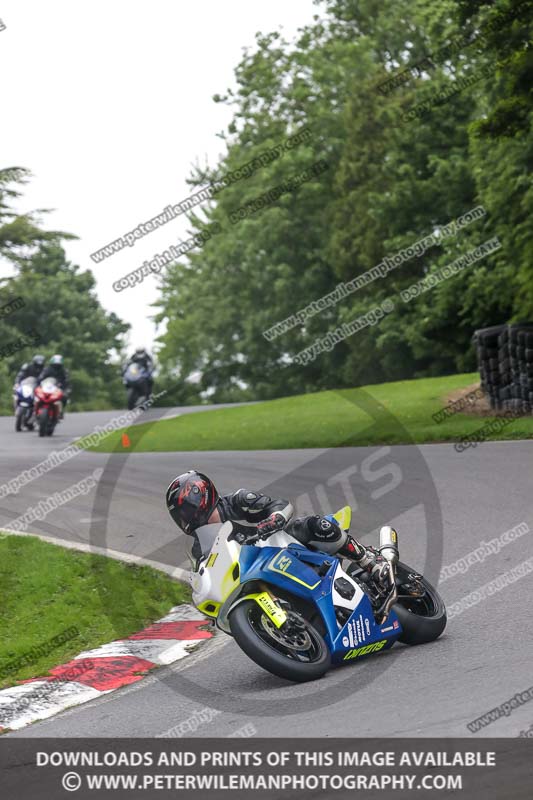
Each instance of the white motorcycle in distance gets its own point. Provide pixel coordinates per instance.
(24, 398)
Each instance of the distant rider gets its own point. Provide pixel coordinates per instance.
(145, 361)
(56, 370)
(30, 369)
(193, 501)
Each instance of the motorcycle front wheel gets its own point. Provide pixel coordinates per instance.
(132, 398)
(296, 651)
(43, 422)
(19, 414)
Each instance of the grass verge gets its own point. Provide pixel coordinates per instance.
(324, 419)
(47, 589)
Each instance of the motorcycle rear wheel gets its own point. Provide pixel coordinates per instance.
(301, 656)
(423, 619)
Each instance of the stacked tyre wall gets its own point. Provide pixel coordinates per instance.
(505, 363)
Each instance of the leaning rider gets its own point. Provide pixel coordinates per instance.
(193, 501)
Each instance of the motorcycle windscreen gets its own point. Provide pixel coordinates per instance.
(26, 389)
(133, 373)
(49, 385)
(207, 535)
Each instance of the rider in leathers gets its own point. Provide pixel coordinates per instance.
(193, 501)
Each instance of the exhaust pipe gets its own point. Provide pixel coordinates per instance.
(388, 544)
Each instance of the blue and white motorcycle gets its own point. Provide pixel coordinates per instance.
(296, 612)
(136, 380)
(24, 398)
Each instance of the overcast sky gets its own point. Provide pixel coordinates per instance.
(108, 103)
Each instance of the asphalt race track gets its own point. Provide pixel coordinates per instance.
(443, 504)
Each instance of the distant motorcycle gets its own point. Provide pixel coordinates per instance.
(48, 404)
(136, 380)
(24, 404)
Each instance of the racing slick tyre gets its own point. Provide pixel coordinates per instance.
(422, 616)
(19, 413)
(297, 652)
(43, 422)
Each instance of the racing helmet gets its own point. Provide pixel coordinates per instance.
(57, 359)
(191, 499)
(38, 360)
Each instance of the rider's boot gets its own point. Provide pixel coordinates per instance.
(369, 560)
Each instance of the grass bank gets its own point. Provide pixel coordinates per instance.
(391, 413)
(50, 593)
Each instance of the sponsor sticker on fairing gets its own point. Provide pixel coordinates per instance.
(394, 627)
(356, 637)
(351, 637)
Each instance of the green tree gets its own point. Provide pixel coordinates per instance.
(20, 234)
(60, 304)
(501, 139)
(400, 165)
(59, 307)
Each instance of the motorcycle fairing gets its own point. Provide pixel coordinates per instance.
(292, 569)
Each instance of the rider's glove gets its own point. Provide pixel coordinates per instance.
(275, 522)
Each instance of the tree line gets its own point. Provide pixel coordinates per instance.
(398, 136)
(407, 158)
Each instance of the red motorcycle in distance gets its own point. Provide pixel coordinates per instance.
(48, 405)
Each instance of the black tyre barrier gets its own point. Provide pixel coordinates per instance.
(505, 363)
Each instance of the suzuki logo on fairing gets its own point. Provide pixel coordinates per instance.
(363, 651)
